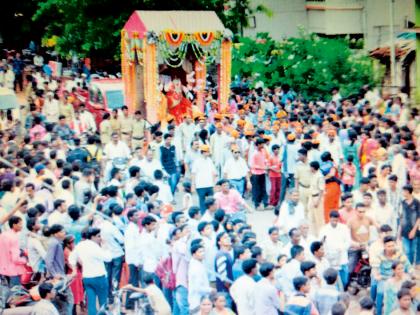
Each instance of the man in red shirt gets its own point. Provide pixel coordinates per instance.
(259, 166)
(274, 173)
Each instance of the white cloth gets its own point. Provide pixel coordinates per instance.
(51, 110)
(132, 246)
(235, 169)
(287, 221)
(148, 168)
(164, 194)
(92, 258)
(242, 292)
(198, 283)
(120, 150)
(204, 171)
(87, 119)
(337, 243)
(151, 252)
(112, 238)
(218, 143)
(57, 217)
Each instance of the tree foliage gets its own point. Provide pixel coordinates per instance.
(93, 26)
(310, 64)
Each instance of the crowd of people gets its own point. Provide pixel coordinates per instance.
(164, 209)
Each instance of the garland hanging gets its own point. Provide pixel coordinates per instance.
(174, 38)
(204, 38)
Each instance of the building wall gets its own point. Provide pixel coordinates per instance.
(377, 20)
(287, 16)
(367, 17)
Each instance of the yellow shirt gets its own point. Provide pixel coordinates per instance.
(106, 131)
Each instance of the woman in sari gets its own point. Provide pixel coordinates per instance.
(332, 185)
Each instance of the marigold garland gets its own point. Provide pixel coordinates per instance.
(204, 38)
(174, 38)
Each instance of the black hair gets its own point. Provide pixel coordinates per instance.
(266, 268)
(272, 230)
(403, 292)
(14, 220)
(315, 246)
(296, 250)
(195, 248)
(31, 223)
(306, 266)
(148, 278)
(209, 202)
(338, 308)
(58, 203)
(249, 265)
(366, 303)
(44, 289)
(158, 174)
(299, 282)
(334, 214)
(202, 225)
(134, 170)
(74, 212)
(238, 250)
(193, 211)
(388, 239)
(148, 220)
(330, 275)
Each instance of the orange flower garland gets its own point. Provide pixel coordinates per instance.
(204, 38)
(174, 38)
(225, 72)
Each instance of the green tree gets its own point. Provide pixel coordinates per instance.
(310, 64)
(92, 27)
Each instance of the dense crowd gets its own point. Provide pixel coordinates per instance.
(162, 209)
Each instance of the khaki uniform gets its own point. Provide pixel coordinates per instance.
(126, 124)
(106, 131)
(138, 133)
(303, 177)
(115, 125)
(317, 189)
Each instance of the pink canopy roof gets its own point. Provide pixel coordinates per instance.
(183, 21)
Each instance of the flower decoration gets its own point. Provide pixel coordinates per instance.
(204, 38)
(174, 38)
(151, 37)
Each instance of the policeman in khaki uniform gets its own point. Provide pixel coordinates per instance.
(105, 129)
(303, 178)
(115, 122)
(126, 123)
(139, 128)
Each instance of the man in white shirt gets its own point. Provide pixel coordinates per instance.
(133, 248)
(243, 289)
(382, 211)
(113, 150)
(45, 306)
(292, 212)
(272, 248)
(113, 241)
(218, 142)
(186, 129)
(148, 240)
(59, 215)
(236, 171)
(332, 144)
(92, 259)
(267, 300)
(291, 270)
(203, 176)
(198, 282)
(149, 165)
(336, 238)
(86, 118)
(51, 109)
(164, 194)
